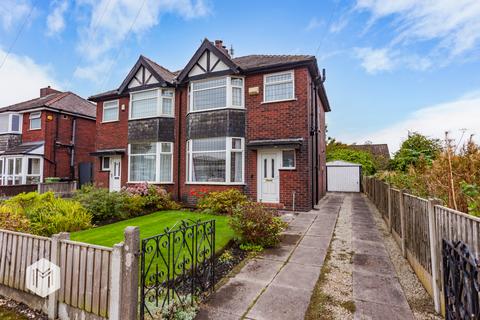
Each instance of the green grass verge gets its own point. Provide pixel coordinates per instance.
(151, 225)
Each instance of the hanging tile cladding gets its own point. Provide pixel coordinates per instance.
(9, 140)
(217, 123)
(153, 129)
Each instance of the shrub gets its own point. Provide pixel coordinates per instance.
(221, 202)
(153, 197)
(105, 205)
(43, 214)
(256, 225)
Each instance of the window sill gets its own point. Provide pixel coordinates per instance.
(149, 182)
(275, 101)
(152, 117)
(111, 121)
(216, 183)
(215, 109)
(34, 129)
(287, 169)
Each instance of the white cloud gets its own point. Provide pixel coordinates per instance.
(109, 22)
(453, 24)
(313, 24)
(94, 72)
(433, 121)
(56, 19)
(21, 78)
(375, 60)
(13, 12)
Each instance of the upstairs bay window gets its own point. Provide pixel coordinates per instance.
(152, 103)
(278, 87)
(10, 123)
(151, 162)
(218, 93)
(215, 160)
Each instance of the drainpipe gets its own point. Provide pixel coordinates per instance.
(55, 146)
(72, 152)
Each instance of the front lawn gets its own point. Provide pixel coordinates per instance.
(151, 225)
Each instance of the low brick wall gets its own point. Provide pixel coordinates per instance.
(10, 191)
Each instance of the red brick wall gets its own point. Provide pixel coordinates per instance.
(57, 159)
(111, 135)
(279, 120)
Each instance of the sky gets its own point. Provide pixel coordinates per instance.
(391, 66)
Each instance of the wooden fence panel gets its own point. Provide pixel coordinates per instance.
(86, 279)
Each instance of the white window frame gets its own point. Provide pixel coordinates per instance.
(4, 176)
(103, 168)
(294, 160)
(158, 152)
(159, 104)
(116, 106)
(35, 115)
(228, 161)
(228, 86)
(10, 123)
(279, 82)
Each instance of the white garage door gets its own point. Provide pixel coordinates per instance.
(343, 179)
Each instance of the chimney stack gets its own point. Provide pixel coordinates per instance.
(46, 91)
(221, 47)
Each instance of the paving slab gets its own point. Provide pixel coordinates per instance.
(281, 253)
(288, 239)
(325, 230)
(297, 276)
(309, 256)
(375, 311)
(315, 241)
(281, 303)
(235, 296)
(369, 247)
(259, 270)
(215, 314)
(373, 264)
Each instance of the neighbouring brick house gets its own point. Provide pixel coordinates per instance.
(48, 136)
(256, 123)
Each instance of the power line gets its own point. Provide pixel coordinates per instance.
(18, 35)
(328, 27)
(107, 75)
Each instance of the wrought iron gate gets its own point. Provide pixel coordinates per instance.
(460, 280)
(176, 266)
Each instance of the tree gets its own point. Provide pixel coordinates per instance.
(417, 150)
(339, 151)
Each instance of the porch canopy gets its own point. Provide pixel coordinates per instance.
(107, 152)
(291, 143)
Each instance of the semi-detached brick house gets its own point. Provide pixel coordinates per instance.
(48, 136)
(256, 123)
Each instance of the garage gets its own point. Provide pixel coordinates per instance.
(343, 176)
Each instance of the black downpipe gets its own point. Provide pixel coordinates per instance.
(55, 147)
(312, 133)
(72, 149)
(317, 164)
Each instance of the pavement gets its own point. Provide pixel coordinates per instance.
(278, 284)
(377, 292)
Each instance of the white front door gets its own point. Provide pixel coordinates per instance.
(115, 173)
(268, 176)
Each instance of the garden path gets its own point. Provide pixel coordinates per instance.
(278, 284)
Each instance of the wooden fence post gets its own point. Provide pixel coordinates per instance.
(433, 253)
(130, 274)
(402, 223)
(52, 308)
(389, 206)
(116, 279)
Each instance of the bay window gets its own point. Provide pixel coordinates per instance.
(10, 123)
(15, 170)
(33, 171)
(152, 103)
(151, 162)
(278, 86)
(218, 93)
(215, 160)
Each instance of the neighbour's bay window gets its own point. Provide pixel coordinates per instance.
(151, 162)
(16, 170)
(278, 86)
(33, 170)
(10, 123)
(215, 160)
(152, 103)
(218, 93)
